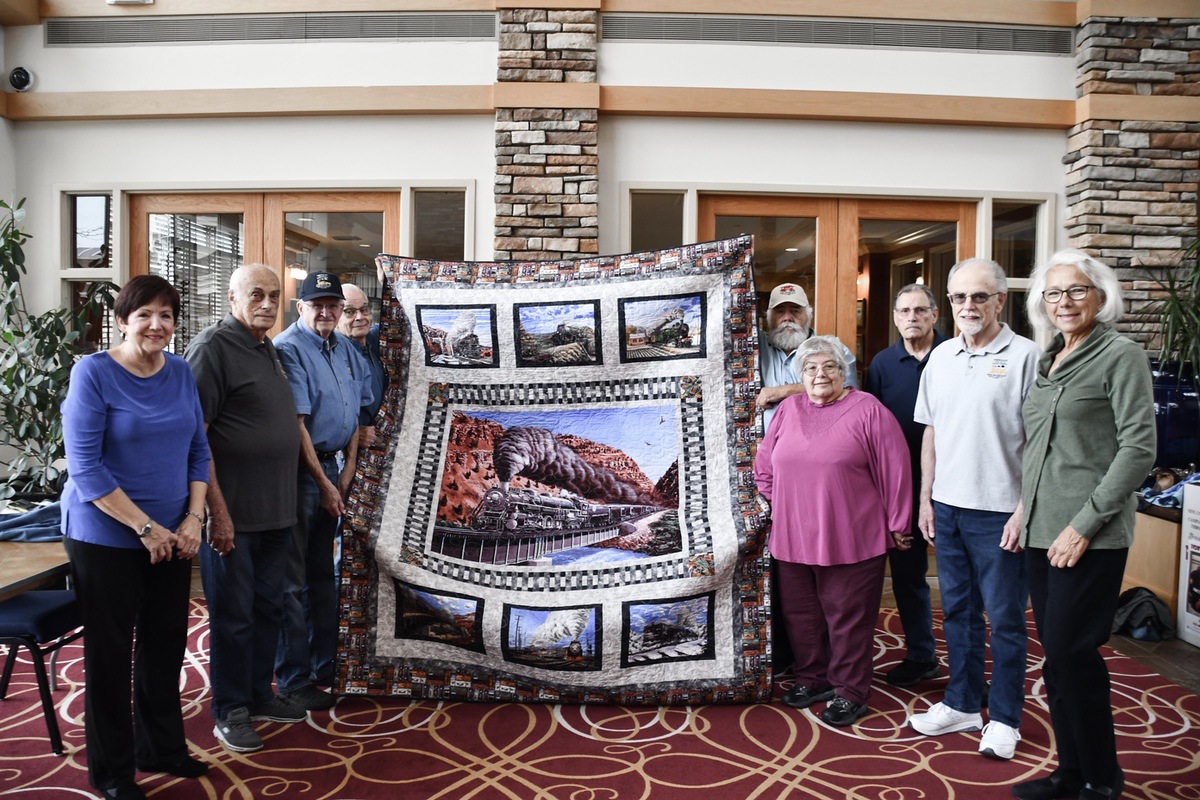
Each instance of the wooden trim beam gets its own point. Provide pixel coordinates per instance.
(1148, 108)
(852, 106)
(19, 12)
(551, 5)
(1143, 9)
(1011, 12)
(546, 95)
(318, 101)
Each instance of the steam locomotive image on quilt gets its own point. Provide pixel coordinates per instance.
(527, 511)
(516, 525)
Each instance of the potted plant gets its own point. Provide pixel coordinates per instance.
(1177, 404)
(36, 356)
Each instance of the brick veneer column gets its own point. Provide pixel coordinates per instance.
(1132, 185)
(546, 158)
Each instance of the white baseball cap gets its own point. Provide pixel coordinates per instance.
(788, 293)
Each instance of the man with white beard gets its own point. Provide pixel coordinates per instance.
(788, 317)
(970, 402)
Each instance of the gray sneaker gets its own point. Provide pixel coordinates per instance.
(236, 732)
(311, 698)
(278, 709)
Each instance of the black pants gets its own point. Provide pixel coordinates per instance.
(119, 591)
(1074, 609)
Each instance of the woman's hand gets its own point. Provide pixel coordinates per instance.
(188, 536)
(160, 542)
(903, 540)
(1067, 549)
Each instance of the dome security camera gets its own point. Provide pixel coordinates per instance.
(21, 79)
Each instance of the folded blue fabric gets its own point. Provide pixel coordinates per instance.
(42, 524)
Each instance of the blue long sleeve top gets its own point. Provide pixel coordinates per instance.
(142, 435)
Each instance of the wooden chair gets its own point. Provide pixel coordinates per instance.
(42, 622)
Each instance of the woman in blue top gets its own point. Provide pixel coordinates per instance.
(133, 511)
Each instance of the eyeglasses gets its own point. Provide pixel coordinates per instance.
(829, 368)
(351, 311)
(1074, 292)
(920, 311)
(978, 298)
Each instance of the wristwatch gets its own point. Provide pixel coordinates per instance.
(145, 530)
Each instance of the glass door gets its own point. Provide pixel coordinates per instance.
(196, 241)
(330, 232)
(795, 241)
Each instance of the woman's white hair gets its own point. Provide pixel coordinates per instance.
(1103, 277)
(821, 346)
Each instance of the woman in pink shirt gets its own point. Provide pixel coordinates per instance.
(835, 468)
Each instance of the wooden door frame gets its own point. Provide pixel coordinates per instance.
(263, 222)
(837, 238)
(823, 209)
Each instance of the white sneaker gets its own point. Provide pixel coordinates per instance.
(999, 741)
(941, 718)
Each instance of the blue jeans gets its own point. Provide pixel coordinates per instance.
(976, 575)
(308, 636)
(244, 592)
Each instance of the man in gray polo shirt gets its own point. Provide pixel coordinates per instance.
(251, 423)
(970, 402)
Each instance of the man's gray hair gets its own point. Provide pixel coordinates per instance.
(1102, 276)
(822, 346)
(917, 287)
(998, 276)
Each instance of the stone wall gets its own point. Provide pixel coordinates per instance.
(546, 158)
(1132, 185)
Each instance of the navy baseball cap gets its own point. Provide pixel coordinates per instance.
(320, 284)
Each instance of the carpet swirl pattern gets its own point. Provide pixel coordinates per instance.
(374, 747)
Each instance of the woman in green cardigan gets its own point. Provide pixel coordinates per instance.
(1089, 426)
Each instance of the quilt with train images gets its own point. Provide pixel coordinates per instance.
(559, 504)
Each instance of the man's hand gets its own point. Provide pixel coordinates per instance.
(770, 395)
(220, 531)
(1067, 549)
(331, 497)
(1010, 540)
(366, 436)
(925, 520)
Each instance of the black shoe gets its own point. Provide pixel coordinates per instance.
(910, 673)
(182, 767)
(1096, 791)
(1057, 784)
(802, 697)
(841, 712)
(123, 791)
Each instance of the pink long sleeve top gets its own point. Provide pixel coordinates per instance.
(838, 478)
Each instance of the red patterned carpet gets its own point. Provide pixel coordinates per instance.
(369, 748)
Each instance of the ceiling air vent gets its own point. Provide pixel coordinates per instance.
(398, 26)
(835, 32)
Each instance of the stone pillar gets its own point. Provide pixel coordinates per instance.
(546, 158)
(1132, 184)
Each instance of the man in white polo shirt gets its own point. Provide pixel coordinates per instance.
(970, 402)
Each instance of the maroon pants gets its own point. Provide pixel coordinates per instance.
(830, 614)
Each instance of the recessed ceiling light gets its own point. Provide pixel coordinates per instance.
(792, 249)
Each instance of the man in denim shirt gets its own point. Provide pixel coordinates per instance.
(331, 385)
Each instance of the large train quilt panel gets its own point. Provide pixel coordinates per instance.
(559, 504)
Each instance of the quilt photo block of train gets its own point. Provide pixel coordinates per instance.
(559, 503)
